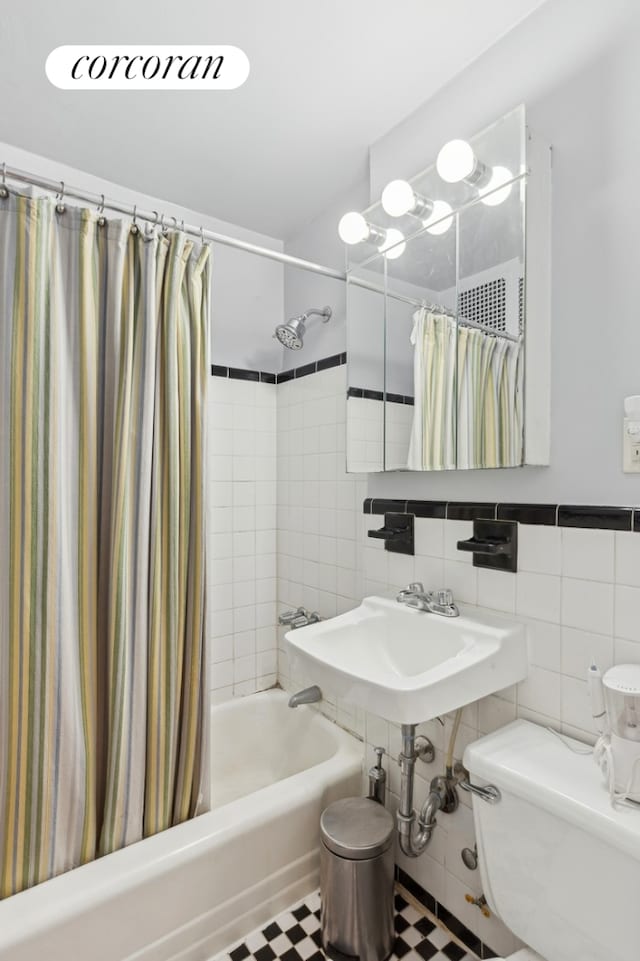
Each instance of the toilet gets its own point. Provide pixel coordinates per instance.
(559, 865)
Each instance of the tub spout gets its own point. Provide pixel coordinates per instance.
(308, 696)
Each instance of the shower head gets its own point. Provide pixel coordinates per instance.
(291, 334)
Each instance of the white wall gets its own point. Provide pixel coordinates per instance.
(319, 242)
(576, 66)
(247, 291)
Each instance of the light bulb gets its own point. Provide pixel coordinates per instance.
(456, 161)
(499, 175)
(393, 244)
(353, 228)
(440, 209)
(398, 198)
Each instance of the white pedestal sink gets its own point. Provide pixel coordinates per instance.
(409, 666)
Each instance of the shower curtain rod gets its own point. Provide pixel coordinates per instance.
(153, 217)
(440, 309)
(60, 188)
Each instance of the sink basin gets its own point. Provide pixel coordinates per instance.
(407, 665)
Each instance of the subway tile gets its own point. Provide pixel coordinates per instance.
(430, 572)
(497, 590)
(538, 596)
(429, 536)
(222, 675)
(541, 692)
(588, 554)
(244, 643)
(627, 612)
(544, 644)
(580, 649)
(576, 705)
(494, 713)
(455, 531)
(462, 579)
(587, 605)
(539, 549)
(221, 648)
(625, 651)
(627, 553)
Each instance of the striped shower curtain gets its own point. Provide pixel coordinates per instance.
(102, 678)
(468, 397)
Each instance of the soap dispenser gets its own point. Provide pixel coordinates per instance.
(378, 778)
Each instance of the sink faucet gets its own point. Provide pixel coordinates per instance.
(433, 602)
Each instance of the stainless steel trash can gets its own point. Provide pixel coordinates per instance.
(356, 879)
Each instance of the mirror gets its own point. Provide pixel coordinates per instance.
(436, 315)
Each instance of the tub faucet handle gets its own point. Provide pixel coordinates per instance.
(290, 616)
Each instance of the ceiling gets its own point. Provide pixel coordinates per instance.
(328, 77)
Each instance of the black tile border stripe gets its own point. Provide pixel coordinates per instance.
(529, 513)
(611, 518)
(263, 377)
(368, 394)
(427, 900)
(551, 515)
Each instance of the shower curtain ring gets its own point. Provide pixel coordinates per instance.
(202, 241)
(182, 226)
(101, 217)
(60, 206)
(4, 193)
(134, 225)
(149, 230)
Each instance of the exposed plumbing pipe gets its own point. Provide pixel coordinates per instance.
(415, 832)
(448, 764)
(414, 839)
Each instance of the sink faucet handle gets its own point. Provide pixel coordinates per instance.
(416, 588)
(445, 597)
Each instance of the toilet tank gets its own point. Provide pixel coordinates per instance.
(559, 865)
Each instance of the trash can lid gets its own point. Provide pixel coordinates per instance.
(356, 828)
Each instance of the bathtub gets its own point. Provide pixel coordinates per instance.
(185, 894)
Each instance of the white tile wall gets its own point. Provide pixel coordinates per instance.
(365, 433)
(241, 537)
(579, 590)
(319, 504)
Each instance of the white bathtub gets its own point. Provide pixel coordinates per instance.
(185, 894)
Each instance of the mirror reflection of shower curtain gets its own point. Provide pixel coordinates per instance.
(433, 438)
(487, 416)
(103, 693)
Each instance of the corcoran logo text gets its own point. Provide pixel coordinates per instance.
(95, 67)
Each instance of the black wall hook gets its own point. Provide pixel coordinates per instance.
(397, 533)
(494, 544)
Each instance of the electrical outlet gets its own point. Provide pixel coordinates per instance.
(631, 436)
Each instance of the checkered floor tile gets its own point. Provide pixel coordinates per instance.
(295, 936)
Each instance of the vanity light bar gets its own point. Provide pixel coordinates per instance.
(456, 163)
(354, 229)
